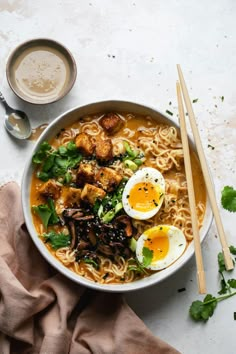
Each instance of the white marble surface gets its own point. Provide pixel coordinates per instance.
(128, 49)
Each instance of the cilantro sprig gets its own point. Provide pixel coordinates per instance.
(47, 213)
(228, 198)
(92, 262)
(203, 310)
(147, 257)
(55, 163)
(57, 240)
(146, 261)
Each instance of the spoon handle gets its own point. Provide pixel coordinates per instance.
(3, 101)
(1, 97)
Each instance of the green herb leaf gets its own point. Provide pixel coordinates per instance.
(57, 240)
(147, 257)
(44, 212)
(196, 309)
(68, 178)
(44, 176)
(221, 262)
(62, 162)
(96, 206)
(195, 100)
(228, 198)
(136, 266)
(224, 287)
(203, 310)
(210, 304)
(71, 146)
(41, 153)
(232, 283)
(169, 112)
(54, 219)
(73, 162)
(57, 171)
(232, 250)
(48, 163)
(62, 150)
(91, 261)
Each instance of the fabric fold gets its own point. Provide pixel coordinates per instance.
(42, 312)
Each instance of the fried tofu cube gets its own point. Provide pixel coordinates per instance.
(85, 173)
(91, 193)
(84, 143)
(108, 179)
(71, 196)
(50, 189)
(111, 123)
(103, 149)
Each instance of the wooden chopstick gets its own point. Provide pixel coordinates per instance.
(225, 248)
(191, 195)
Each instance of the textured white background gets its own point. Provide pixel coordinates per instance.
(128, 50)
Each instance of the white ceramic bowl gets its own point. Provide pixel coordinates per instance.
(66, 119)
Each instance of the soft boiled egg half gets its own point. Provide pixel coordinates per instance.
(144, 193)
(166, 242)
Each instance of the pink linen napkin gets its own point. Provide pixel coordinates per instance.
(43, 312)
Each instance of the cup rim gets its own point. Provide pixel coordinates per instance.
(14, 54)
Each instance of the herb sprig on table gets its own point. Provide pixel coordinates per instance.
(228, 198)
(203, 310)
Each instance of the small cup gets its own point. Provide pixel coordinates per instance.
(41, 71)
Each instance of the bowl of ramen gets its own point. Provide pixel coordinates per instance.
(105, 198)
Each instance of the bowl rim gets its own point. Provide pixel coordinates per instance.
(117, 288)
(47, 41)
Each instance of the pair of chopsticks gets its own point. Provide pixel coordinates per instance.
(181, 86)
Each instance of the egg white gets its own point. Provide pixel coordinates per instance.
(146, 174)
(177, 245)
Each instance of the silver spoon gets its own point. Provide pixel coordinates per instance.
(16, 122)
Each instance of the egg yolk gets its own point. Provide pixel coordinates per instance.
(158, 242)
(145, 196)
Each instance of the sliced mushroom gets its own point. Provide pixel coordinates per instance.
(83, 218)
(92, 237)
(105, 249)
(70, 213)
(71, 227)
(126, 221)
(82, 245)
